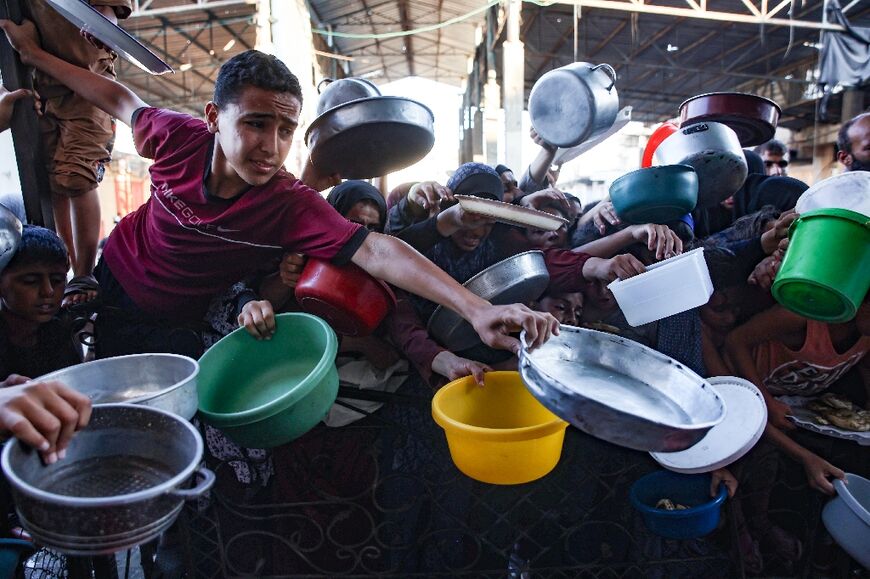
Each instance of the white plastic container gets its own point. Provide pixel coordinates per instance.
(666, 288)
(847, 517)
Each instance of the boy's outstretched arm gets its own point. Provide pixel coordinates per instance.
(395, 262)
(112, 97)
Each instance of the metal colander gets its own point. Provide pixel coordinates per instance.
(107, 477)
(118, 486)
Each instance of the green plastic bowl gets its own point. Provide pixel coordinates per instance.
(825, 274)
(655, 194)
(265, 393)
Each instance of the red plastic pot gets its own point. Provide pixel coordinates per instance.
(350, 300)
(662, 132)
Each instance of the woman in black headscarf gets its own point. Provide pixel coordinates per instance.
(360, 202)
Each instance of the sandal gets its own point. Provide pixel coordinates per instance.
(80, 285)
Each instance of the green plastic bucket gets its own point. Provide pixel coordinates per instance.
(265, 393)
(825, 274)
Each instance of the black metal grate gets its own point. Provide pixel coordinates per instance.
(382, 498)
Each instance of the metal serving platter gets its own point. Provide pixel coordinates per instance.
(621, 391)
(83, 16)
(517, 279)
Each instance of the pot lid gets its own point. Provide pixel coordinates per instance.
(844, 191)
(730, 439)
(85, 17)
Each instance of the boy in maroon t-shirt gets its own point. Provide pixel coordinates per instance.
(222, 205)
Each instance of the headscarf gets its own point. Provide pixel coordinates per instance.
(778, 191)
(343, 197)
(476, 179)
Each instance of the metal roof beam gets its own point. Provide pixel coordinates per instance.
(239, 36)
(407, 41)
(702, 14)
(143, 10)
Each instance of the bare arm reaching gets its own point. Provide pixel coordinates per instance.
(112, 97)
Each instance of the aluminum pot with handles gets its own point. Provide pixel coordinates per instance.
(574, 103)
(345, 90)
(714, 151)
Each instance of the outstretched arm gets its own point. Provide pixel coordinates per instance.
(395, 262)
(112, 97)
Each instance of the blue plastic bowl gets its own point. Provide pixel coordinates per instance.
(692, 490)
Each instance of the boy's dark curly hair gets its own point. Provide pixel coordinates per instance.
(38, 245)
(253, 68)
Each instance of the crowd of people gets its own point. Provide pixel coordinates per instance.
(226, 232)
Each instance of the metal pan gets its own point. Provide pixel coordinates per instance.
(84, 17)
(621, 391)
(752, 117)
(371, 137)
(518, 279)
(163, 381)
(10, 235)
(714, 151)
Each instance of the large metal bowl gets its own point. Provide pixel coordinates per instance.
(371, 137)
(10, 235)
(518, 279)
(164, 381)
(621, 391)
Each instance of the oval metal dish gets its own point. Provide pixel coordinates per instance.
(517, 279)
(621, 391)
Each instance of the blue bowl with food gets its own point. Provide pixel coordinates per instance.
(694, 513)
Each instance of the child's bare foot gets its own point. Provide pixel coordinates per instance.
(80, 289)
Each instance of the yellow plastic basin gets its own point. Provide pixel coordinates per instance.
(498, 434)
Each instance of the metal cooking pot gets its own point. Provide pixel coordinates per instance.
(621, 391)
(10, 235)
(752, 117)
(119, 485)
(518, 279)
(574, 103)
(345, 90)
(351, 301)
(371, 137)
(714, 151)
(164, 381)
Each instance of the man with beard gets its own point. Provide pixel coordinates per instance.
(853, 143)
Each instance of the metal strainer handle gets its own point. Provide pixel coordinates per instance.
(203, 485)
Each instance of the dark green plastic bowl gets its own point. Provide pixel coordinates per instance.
(825, 273)
(655, 194)
(266, 393)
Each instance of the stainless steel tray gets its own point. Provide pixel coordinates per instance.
(83, 16)
(621, 391)
(517, 279)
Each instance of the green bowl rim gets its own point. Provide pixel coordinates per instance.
(653, 169)
(859, 218)
(281, 403)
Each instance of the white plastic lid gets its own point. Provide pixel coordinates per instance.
(730, 439)
(844, 191)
